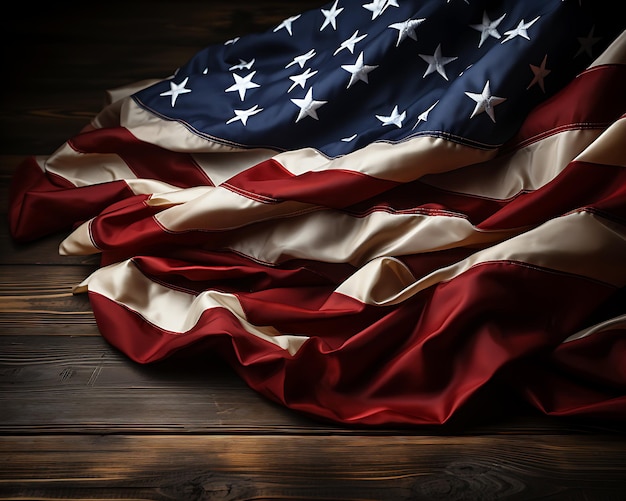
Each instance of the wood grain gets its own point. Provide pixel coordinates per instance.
(77, 383)
(235, 467)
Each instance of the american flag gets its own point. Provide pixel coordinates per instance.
(376, 212)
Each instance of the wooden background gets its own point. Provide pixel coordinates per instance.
(80, 421)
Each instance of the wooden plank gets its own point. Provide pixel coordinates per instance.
(44, 251)
(19, 284)
(38, 300)
(80, 384)
(240, 467)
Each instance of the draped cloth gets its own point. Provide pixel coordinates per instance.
(379, 213)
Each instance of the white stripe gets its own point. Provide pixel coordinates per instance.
(202, 208)
(400, 162)
(169, 134)
(537, 164)
(173, 310)
(527, 169)
(610, 148)
(85, 169)
(216, 208)
(608, 325)
(580, 243)
(149, 186)
(221, 166)
(336, 237)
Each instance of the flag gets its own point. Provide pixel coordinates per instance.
(379, 213)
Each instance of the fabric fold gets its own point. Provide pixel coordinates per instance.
(403, 214)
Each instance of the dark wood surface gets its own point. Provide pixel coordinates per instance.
(80, 421)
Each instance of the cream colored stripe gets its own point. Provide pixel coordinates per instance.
(531, 167)
(336, 237)
(323, 235)
(84, 169)
(216, 208)
(221, 166)
(400, 162)
(41, 161)
(168, 134)
(204, 208)
(219, 161)
(580, 243)
(610, 148)
(79, 242)
(173, 310)
(149, 186)
(618, 322)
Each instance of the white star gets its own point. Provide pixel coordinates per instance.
(243, 65)
(231, 41)
(301, 79)
(359, 70)
(242, 84)
(587, 42)
(176, 90)
(423, 116)
(349, 139)
(287, 24)
(302, 59)
(520, 30)
(485, 102)
(488, 28)
(377, 7)
(406, 29)
(243, 115)
(394, 119)
(308, 106)
(350, 43)
(540, 73)
(330, 16)
(436, 62)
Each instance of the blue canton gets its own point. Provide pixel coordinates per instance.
(350, 73)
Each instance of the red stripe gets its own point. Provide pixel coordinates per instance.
(599, 188)
(580, 185)
(582, 378)
(128, 227)
(147, 161)
(580, 105)
(41, 204)
(269, 181)
(594, 99)
(194, 270)
(418, 363)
